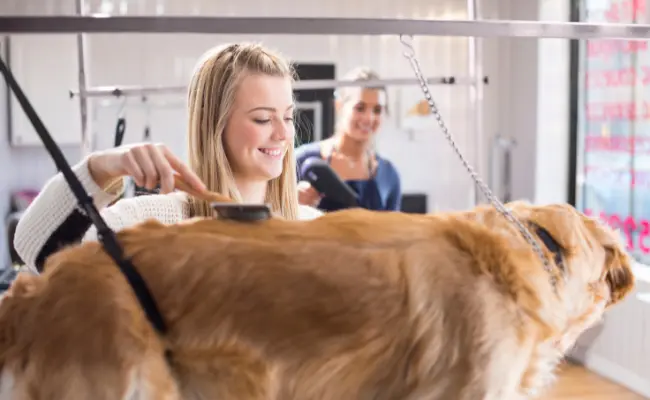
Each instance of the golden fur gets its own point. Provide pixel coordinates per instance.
(353, 305)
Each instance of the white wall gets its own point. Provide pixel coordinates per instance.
(534, 104)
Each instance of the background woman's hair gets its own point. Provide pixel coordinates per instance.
(210, 100)
(360, 74)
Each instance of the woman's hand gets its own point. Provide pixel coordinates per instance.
(147, 163)
(307, 195)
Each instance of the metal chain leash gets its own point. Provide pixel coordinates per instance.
(410, 55)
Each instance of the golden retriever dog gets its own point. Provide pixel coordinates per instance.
(354, 305)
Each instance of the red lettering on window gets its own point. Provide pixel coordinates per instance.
(629, 226)
(645, 231)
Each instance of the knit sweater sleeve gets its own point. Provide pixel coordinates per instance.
(165, 208)
(54, 219)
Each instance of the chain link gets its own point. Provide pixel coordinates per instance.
(410, 55)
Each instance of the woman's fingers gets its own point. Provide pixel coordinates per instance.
(153, 164)
(132, 168)
(163, 167)
(146, 163)
(184, 171)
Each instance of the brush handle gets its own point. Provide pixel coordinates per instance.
(205, 195)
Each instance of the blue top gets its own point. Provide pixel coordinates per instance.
(382, 192)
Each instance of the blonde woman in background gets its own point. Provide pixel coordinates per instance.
(350, 153)
(241, 143)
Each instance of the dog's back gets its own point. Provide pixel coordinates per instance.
(355, 305)
(248, 316)
(282, 318)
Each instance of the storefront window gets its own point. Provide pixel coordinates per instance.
(613, 126)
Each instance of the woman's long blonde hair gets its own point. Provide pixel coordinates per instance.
(211, 96)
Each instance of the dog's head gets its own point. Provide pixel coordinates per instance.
(592, 267)
(594, 270)
(587, 259)
(585, 252)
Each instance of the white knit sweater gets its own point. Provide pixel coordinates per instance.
(56, 202)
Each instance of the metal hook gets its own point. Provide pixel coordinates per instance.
(410, 51)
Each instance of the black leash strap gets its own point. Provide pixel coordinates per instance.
(106, 236)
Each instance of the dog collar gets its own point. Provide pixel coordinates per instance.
(551, 244)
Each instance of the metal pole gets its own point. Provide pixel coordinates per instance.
(319, 26)
(475, 67)
(116, 91)
(86, 132)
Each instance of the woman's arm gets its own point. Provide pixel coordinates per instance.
(54, 219)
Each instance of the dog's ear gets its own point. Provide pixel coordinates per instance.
(618, 272)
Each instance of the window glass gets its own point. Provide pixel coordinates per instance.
(613, 125)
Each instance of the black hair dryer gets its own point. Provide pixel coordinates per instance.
(322, 177)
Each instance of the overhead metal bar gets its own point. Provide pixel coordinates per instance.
(119, 91)
(319, 26)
